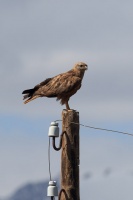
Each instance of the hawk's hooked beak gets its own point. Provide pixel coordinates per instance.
(86, 67)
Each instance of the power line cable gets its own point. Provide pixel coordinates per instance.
(49, 160)
(101, 129)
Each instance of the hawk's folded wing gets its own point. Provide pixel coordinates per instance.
(60, 85)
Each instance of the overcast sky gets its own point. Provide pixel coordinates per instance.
(40, 39)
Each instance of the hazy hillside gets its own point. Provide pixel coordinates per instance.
(36, 191)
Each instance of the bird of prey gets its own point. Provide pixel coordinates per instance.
(62, 86)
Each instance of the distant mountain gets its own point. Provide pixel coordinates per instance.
(38, 191)
(31, 191)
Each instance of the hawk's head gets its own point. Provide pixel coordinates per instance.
(81, 66)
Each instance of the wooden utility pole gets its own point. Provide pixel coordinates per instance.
(70, 156)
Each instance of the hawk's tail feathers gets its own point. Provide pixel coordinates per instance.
(30, 95)
(31, 98)
(29, 91)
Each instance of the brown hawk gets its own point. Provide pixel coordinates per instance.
(62, 86)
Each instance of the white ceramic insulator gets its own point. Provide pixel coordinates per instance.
(53, 130)
(52, 189)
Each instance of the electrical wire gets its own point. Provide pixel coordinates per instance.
(49, 160)
(101, 129)
(50, 176)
